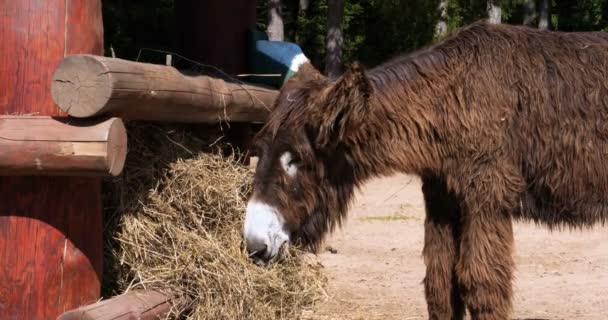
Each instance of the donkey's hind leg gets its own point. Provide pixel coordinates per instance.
(441, 250)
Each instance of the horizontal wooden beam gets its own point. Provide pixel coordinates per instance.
(141, 305)
(89, 85)
(39, 145)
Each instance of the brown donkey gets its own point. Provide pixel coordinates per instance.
(500, 122)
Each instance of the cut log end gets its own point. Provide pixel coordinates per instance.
(117, 147)
(82, 82)
(41, 146)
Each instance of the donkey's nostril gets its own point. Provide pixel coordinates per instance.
(260, 253)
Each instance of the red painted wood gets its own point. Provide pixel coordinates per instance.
(50, 228)
(85, 27)
(46, 238)
(32, 33)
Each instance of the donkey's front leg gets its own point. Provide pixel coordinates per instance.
(441, 233)
(485, 264)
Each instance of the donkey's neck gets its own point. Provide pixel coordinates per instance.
(405, 131)
(430, 106)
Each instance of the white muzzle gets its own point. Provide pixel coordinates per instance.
(264, 231)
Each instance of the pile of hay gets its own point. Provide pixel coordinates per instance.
(174, 221)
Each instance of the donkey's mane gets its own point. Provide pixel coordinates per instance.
(483, 71)
(479, 45)
(293, 106)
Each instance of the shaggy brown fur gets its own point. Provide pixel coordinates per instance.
(500, 122)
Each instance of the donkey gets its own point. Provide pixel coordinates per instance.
(500, 122)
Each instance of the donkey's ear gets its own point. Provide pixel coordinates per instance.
(342, 106)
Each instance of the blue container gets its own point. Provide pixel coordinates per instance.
(273, 57)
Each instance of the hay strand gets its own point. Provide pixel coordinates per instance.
(175, 219)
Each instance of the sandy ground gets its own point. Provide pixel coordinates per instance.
(377, 270)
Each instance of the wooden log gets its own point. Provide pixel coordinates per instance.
(38, 145)
(141, 305)
(89, 85)
(51, 244)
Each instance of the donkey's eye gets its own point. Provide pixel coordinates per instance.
(289, 163)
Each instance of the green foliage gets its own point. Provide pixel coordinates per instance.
(374, 30)
(310, 30)
(580, 15)
(395, 27)
(130, 25)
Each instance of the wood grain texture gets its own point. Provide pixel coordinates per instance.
(50, 227)
(39, 145)
(141, 305)
(36, 35)
(50, 246)
(89, 85)
(84, 27)
(32, 33)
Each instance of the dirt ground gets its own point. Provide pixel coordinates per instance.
(377, 270)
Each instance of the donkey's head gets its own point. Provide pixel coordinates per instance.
(307, 167)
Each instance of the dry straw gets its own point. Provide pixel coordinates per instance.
(174, 221)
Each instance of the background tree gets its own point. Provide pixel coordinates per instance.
(132, 25)
(529, 12)
(335, 38)
(301, 14)
(303, 7)
(544, 14)
(372, 30)
(494, 12)
(275, 29)
(441, 29)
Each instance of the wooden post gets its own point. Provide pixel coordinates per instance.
(50, 227)
(38, 145)
(141, 305)
(88, 85)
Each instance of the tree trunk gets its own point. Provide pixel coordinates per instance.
(293, 11)
(441, 28)
(544, 14)
(529, 12)
(302, 11)
(275, 29)
(335, 38)
(494, 12)
(303, 7)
